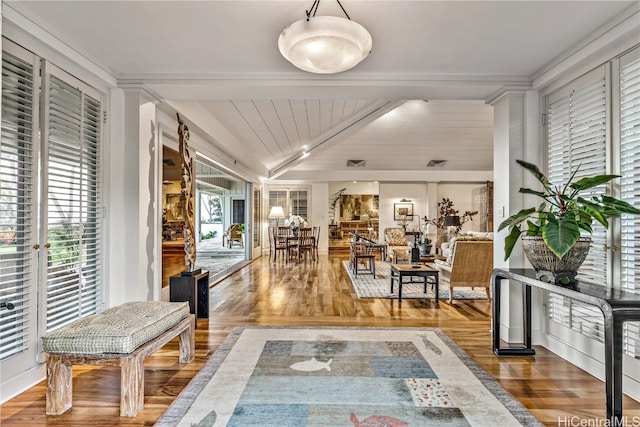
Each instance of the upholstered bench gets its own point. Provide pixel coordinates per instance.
(120, 336)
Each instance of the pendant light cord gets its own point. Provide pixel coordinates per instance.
(314, 9)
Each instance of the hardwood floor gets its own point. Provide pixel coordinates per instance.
(320, 294)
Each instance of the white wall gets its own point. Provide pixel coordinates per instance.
(394, 192)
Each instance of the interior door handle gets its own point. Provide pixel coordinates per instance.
(7, 305)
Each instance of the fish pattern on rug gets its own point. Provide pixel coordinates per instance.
(367, 286)
(377, 376)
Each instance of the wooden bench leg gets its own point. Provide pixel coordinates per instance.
(188, 343)
(59, 385)
(131, 386)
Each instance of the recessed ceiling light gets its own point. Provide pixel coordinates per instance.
(356, 163)
(434, 163)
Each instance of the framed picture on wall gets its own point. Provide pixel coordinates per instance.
(402, 211)
(174, 207)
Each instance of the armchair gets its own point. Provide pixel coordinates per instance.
(470, 265)
(232, 235)
(397, 245)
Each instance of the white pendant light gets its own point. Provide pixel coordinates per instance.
(325, 44)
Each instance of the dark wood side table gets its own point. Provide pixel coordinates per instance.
(617, 307)
(399, 271)
(191, 286)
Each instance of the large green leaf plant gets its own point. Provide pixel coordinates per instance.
(563, 213)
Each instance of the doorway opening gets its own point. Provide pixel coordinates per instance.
(220, 202)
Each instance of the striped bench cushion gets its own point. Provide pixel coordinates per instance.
(120, 329)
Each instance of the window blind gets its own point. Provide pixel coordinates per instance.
(74, 225)
(576, 136)
(630, 188)
(299, 204)
(277, 198)
(257, 205)
(17, 193)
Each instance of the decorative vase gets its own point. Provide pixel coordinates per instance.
(424, 249)
(295, 230)
(550, 268)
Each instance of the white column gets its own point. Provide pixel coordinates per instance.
(511, 129)
(133, 224)
(320, 213)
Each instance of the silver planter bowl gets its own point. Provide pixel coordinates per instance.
(541, 257)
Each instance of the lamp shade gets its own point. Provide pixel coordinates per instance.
(276, 212)
(325, 44)
(451, 221)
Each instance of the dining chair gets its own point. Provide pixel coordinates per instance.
(306, 243)
(362, 254)
(281, 240)
(276, 244)
(316, 239)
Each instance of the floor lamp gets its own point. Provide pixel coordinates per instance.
(276, 213)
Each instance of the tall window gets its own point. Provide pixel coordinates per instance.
(580, 120)
(74, 214)
(630, 186)
(294, 201)
(51, 256)
(577, 138)
(257, 204)
(18, 154)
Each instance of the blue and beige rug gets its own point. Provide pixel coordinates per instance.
(279, 376)
(367, 286)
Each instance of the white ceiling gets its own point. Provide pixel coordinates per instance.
(220, 59)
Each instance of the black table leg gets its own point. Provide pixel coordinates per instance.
(526, 349)
(613, 344)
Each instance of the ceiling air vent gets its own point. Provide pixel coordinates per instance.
(355, 163)
(435, 163)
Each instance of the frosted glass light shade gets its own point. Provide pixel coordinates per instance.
(325, 44)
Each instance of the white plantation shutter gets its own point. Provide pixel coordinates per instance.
(18, 158)
(298, 203)
(74, 226)
(577, 136)
(257, 218)
(630, 187)
(293, 202)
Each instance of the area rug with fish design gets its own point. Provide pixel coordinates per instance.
(368, 286)
(289, 376)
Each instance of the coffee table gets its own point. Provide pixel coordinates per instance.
(399, 271)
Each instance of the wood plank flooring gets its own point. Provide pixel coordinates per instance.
(320, 294)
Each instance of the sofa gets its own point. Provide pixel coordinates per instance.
(470, 235)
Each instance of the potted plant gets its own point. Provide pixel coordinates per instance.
(552, 240)
(335, 197)
(445, 209)
(424, 244)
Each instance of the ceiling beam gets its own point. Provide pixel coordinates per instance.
(337, 133)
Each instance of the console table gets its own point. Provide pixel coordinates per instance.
(617, 307)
